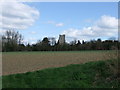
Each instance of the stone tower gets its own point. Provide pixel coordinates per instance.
(62, 39)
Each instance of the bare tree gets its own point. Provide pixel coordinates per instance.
(52, 41)
(11, 39)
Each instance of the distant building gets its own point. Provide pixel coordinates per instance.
(62, 39)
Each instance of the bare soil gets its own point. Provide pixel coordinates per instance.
(21, 62)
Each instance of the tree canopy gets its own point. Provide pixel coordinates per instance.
(12, 41)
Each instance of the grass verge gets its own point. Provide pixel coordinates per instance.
(89, 75)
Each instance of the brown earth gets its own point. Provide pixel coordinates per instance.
(21, 62)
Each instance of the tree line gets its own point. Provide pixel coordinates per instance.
(12, 41)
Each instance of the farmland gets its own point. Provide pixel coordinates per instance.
(21, 62)
(87, 75)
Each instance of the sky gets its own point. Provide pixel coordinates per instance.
(77, 20)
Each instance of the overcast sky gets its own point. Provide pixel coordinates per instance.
(80, 20)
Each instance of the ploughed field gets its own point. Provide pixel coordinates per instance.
(21, 62)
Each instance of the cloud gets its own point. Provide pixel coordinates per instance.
(50, 22)
(105, 27)
(30, 40)
(107, 22)
(16, 15)
(33, 32)
(59, 24)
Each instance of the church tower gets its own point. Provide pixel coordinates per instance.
(62, 39)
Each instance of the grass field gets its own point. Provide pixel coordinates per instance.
(21, 62)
